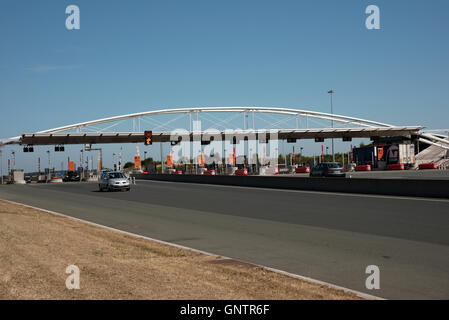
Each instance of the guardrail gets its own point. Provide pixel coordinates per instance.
(396, 187)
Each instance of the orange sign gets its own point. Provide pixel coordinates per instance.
(231, 158)
(71, 166)
(201, 159)
(137, 161)
(380, 153)
(169, 160)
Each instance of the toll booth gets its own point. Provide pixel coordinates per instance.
(379, 157)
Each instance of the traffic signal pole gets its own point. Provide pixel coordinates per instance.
(162, 159)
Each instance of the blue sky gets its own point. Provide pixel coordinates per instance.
(138, 55)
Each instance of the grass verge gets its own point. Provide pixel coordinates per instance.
(36, 247)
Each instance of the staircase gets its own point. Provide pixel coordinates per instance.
(432, 154)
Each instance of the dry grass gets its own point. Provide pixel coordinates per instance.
(36, 247)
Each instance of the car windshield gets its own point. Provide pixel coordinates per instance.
(333, 165)
(116, 175)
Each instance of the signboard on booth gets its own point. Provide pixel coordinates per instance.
(380, 153)
(231, 158)
(137, 161)
(169, 160)
(201, 159)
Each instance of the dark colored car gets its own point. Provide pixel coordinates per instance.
(328, 169)
(71, 176)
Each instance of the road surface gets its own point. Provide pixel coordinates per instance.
(327, 236)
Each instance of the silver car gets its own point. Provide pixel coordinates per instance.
(113, 180)
(328, 169)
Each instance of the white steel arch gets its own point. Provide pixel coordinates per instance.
(274, 110)
(425, 137)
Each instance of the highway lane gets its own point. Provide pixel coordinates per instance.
(330, 237)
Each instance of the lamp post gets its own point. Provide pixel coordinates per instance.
(120, 160)
(13, 160)
(331, 92)
(48, 172)
(1, 165)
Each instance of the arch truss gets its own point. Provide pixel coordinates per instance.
(235, 118)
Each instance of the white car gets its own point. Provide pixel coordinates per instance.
(113, 180)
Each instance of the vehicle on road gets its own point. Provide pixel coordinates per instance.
(328, 169)
(113, 180)
(71, 176)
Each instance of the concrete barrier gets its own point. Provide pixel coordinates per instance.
(366, 167)
(302, 170)
(397, 166)
(428, 166)
(396, 187)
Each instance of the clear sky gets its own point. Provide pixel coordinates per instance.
(131, 56)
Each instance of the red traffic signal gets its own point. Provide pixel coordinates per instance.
(148, 138)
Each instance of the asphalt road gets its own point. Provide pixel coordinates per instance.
(329, 237)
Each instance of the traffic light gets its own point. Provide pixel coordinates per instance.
(148, 138)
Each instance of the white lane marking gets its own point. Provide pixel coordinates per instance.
(358, 195)
(293, 275)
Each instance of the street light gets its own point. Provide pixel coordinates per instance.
(82, 159)
(331, 92)
(48, 172)
(120, 160)
(13, 160)
(1, 165)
